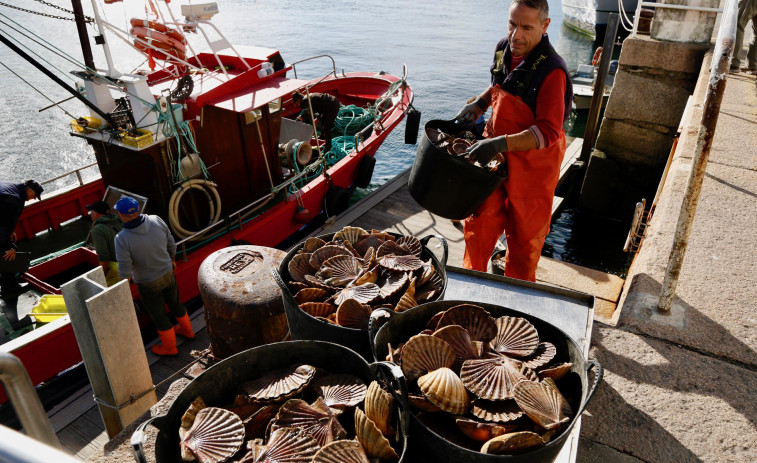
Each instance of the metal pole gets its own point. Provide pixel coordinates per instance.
(81, 29)
(25, 400)
(592, 122)
(111, 69)
(721, 59)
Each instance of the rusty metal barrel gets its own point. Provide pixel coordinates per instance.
(243, 305)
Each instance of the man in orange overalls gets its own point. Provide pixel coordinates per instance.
(530, 96)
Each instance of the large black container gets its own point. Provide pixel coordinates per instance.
(217, 386)
(399, 327)
(304, 326)
(446, 185)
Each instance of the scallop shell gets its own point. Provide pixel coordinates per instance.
(189, 416)
(392, 284)
(312, 244)
(300, 266)
(423, 353)
(434, 321)
(370, 437)
(394, 355)
(479, 323)
(379, 405)
(494, 378)
(390, 248)
(443, 388)
(215, 436)
(318, 420)
(326, 252)
(543, 354)
(407, 301)
(370, 241)
(343, 269)
(498, 411)
(363, 293)
(411, 244)
(543, 403)
(516, 442)
(297, 286)
(316, 282)
(421, 403)
(279, 384)
(431, 289)
(482, 432)
(341, 451)
(427, 271)
(286, 445)
(350, 234)
(515, 337)
(435, 135)
(340, 390)
(407, 263)
(459, 339)
(256, 425)
(555, 371)
(353, 314)
(311, 295)
(318, 309)
(371, 276)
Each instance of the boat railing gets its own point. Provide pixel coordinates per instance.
(333, 63)
(639, 5)
(721, 62)
(76, 172)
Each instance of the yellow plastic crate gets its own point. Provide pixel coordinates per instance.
(50, 308)
(91, 124)
(144, 139)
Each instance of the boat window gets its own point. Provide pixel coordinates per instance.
(274, 105)
(252, 116)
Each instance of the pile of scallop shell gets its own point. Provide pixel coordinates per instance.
(492, 377)
(298, 414)
(344, 280)
(457, 145)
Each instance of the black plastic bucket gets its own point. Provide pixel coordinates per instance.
(399, 327)
(218, 385)
(304, 326)
(446, 185)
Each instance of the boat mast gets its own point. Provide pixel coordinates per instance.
(112, 72)
(81, 28)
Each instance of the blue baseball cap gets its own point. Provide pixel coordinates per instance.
(127, 205)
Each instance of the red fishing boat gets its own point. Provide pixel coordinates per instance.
(208, 141)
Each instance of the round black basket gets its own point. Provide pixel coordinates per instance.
(446, 185)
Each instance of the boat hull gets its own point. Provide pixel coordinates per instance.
(588, 16)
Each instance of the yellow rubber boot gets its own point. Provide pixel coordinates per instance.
(184, 328)
(167, 344)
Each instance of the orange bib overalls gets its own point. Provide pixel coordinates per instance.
(522, 205)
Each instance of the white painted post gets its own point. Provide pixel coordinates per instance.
(106, 329)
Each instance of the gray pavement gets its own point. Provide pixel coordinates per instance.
(682, 386)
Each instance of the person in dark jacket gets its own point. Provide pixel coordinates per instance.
(325, 106)
(105, 227)
(13, 196)
(146, 253)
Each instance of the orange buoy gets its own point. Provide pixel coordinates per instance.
(160, 41)
(597, 56)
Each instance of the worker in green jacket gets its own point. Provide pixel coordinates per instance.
(105, 227)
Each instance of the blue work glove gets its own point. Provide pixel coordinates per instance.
(472, 111)
(484, 150)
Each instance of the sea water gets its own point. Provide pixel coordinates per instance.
(446, 45)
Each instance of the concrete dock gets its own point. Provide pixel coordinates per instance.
(682, 387)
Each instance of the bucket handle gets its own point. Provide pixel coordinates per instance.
(289, 301)
(424, 241)
(138, 438)
(600, 372)
(375, 321)
(396, 379)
